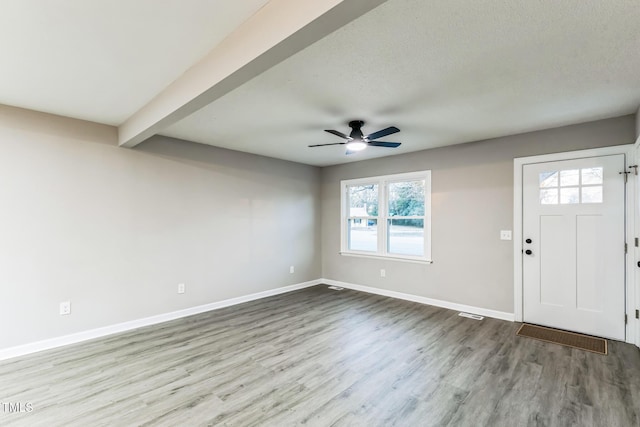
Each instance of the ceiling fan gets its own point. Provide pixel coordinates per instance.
(356, 141)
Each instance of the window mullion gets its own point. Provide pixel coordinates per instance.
(382, 214)
(344, 218)
(426, 222)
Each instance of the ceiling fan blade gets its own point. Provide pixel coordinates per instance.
(384, 144)
(384, 132)
(336, 133)
(322, 145)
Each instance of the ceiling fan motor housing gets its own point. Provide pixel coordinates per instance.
(356, 126)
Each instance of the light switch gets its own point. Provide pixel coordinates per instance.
(505, 234)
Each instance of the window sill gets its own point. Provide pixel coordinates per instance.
(387, 257)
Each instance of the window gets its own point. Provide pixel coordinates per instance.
(387, 216)
(571, 186)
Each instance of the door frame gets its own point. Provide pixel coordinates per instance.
(635, 279)
(631, 285)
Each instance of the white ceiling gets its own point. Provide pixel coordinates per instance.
(443, 71)
(102, 60)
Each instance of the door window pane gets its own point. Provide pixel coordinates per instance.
(363, 234)
(569, 178)
(406, 237)
(549, 196)
(592, 194)
(591, 176)
(549, 179)
(569, 195)
(406, 198)
(363, 200)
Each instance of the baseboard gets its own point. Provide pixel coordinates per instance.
(78, 337)
(423, 300)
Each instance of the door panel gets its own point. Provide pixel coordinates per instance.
(553, 261)
(589, 270)
(573, 267)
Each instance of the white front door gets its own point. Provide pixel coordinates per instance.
(573, 245)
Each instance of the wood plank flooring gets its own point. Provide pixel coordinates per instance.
(320, 357)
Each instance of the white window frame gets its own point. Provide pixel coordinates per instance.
(382, 218)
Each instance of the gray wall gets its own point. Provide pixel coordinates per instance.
(638, 123)
(115, 230)
(472, 200)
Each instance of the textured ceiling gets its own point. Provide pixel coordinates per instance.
(443, 71)
(102, 60)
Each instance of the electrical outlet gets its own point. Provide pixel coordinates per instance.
(383, 272)
(181, 288)
(292, 269)
(65, 308)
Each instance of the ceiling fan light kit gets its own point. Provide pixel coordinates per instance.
(356, 145)
(356, 141)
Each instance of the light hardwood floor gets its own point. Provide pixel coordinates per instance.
(320, 357)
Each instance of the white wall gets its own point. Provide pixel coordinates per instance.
(472, 200)
(115, 230)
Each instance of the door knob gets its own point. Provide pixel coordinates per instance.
(528, 241)
(638, 263)
(529, 252)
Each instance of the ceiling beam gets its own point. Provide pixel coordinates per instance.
(277, 31)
